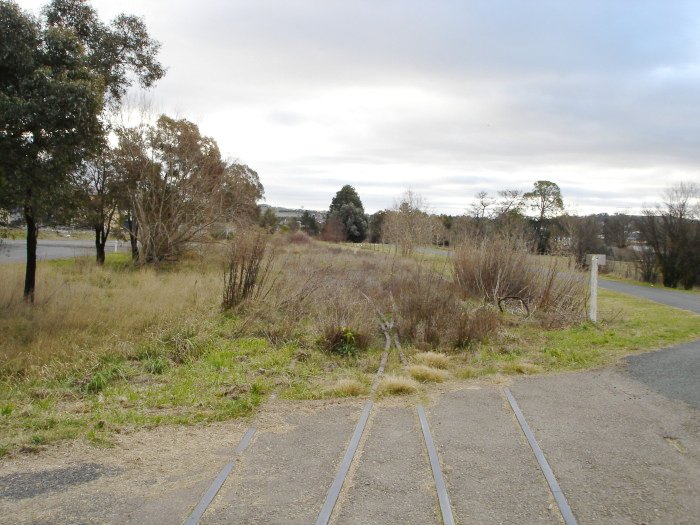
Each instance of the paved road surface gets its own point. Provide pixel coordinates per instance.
(684, 300)
(16, 251)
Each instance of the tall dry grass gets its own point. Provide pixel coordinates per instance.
(82, 311)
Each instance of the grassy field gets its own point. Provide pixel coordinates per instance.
(109, 350)
(47, 234)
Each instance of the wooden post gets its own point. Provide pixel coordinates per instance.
(593, 312)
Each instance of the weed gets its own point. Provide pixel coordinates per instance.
(344, 341)
(155, 365)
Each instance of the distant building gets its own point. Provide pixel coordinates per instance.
(285, 214)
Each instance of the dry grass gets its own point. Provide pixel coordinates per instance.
(427, 374)
(83, 311)
(432, 359)
(394, 385)
(348, 388)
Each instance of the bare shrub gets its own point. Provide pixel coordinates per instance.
(474, 326)
(495, 269)
(247, 268)
(298, 237)
(425, 304)
(409, 223)
(492, 269)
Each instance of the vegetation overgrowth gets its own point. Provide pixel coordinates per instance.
(113, 348)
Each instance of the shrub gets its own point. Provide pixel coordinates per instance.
(424, 304)
(474, 326)
(344, 340)
(492, 269)
(496, 269)
(247, 267)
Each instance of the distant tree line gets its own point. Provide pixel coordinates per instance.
(664, 240)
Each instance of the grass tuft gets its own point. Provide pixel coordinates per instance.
(394, 385)
(433, 359)
(348, 388)
(427, 374)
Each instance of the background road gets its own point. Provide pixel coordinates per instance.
(684, 300)
(12, 251)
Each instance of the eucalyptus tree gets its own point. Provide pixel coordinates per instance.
(546, 201)
(59, 75)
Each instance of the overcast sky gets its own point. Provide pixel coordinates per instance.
(447, 98)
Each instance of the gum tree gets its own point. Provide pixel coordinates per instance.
(59, 77)
(546, 201)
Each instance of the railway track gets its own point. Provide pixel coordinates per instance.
(339, 491)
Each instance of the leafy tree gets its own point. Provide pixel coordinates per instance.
(347, 210)
(309, 224)
(546, 200)
(103, 193)
(57, 77)
(346, 195)
(269, 220)
(180, 186)
(50, 101)
(376, 223)
(617, 230)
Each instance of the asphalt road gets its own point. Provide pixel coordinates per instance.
(686, 301)
(12, 251)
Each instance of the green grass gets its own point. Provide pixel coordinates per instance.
(212, 378)
(107, 362)
(628, 325)
(616, 278)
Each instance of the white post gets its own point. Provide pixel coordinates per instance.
(116, 243)
(593, 313)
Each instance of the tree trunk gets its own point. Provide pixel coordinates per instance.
(30, 273)
(133, 228)
(100, 242)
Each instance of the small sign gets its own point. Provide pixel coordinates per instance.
(601, 258)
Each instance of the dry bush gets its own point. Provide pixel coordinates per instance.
(247, 268)
(298, 237)
(433, 359)
(427, 374)
(425, 304)
(474, 326)
(397, 385)
(494, 270)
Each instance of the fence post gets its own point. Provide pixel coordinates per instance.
(593, 312)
